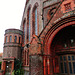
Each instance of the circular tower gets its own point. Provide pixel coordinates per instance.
(12, 48)
(12, 43)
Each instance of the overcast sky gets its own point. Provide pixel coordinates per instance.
(11, 12)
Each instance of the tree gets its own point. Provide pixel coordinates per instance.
(18, 70)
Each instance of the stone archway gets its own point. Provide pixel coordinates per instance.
(51, 37)
(51, 30)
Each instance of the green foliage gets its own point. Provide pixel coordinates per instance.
(18, 68)
(13, 72)
(0, 62)
(0, 65)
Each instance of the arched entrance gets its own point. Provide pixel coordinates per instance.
(63, 51)
(59, 50)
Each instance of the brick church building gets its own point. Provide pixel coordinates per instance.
(45, 42)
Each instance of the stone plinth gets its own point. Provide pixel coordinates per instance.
(36, 65)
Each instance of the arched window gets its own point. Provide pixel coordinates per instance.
(27, 57)
(24, 33)
(24, 24)
(10, 38)
(28, 25)
(19, 39)
(23, 58)
(15, 40)
(34, 20)
(6, 39)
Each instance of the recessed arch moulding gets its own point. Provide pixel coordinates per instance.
(50, 32)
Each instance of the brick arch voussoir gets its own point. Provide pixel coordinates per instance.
(29, 8)
(51, 30)
(35, 5)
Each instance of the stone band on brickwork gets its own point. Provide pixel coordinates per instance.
(15, 31)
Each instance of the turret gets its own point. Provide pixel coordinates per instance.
(12, 49)
(12, 43)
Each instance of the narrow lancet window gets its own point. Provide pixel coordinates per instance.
(10, 38)
(6, 40)
(36, 21)
(29, 25)
(15, 39)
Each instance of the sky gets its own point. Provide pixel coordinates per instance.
(11, 12)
